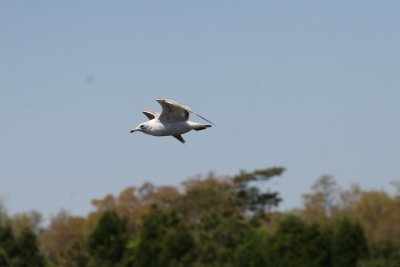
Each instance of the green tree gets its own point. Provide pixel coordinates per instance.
(214, 213)
(385, 254)
(294, 243)
(349, 244)
(31, 220)
(150, 247)
(27, 251)
(178, 245)
(107, 242)
(298, 244)
(256, 250)
(8, 244)
(164, 240)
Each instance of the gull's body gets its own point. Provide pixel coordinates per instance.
(157, 128)
(172, 121)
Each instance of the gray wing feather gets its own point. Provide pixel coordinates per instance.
(151, 114)
(173, 111)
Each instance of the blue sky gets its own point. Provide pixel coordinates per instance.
(313, 86)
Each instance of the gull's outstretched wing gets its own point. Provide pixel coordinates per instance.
(151, 114)
(173, 111)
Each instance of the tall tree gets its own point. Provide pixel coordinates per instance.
(322, 203)
(247, 187)
(349, 244)
(256, 250)
(298, 244)
(31, 220)
(150, 246)
(28, 253)
(8, 244)
(107, 242)
(178, 244)
(63, 231)
(214, 212)
(132, 203)
(378, 213)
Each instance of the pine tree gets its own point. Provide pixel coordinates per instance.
(256, 200)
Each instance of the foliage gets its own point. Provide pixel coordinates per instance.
(348, 243)
(74, 255)
(107, 242)
(163, 241)
(19, 251)
(28, 254)
(213, 221)
(257, 201)
(61, 234)
(321, 204)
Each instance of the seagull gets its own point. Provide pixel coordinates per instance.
(172, 121)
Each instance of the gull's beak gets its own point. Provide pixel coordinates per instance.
(134, 130)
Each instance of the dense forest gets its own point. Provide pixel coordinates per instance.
(213, 221)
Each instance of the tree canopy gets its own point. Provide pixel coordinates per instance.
(212, 221)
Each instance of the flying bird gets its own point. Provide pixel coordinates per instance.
(172, 121)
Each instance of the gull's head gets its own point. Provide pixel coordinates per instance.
(140, 128)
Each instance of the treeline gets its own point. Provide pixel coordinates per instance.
(213, 221)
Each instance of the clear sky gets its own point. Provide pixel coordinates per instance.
(313, 86)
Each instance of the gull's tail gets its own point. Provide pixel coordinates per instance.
(200, 127)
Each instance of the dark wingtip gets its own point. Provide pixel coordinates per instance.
(201, 127)
(179, 138)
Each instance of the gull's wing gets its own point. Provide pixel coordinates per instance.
(151, 114)
(173, 111)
